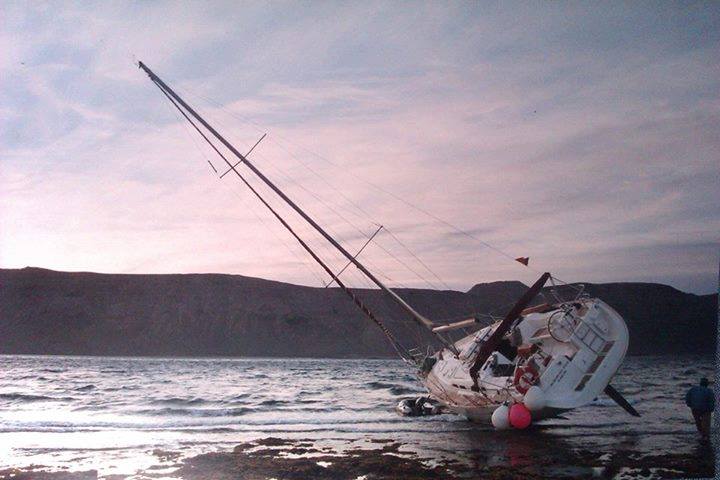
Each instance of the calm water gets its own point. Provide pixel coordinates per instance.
(113, 414)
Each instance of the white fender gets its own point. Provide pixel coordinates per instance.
(535, 399)
(501, 418)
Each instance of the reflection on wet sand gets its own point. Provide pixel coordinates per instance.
(508, 455)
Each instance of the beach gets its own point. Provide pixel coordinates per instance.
(273, 457)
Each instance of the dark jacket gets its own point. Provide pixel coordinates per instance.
(700, 398)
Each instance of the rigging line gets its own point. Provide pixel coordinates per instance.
(364, 214)
(363, 211)
(311, 233)
(263, 221)
(358, 253)
(417, 274)
(344, 219)
(397, 283)
(299, 258)
(330, 254)
(312, 271)
(416, 207)
(297, 184)
(364, 286)
(398, 347)
(279, 143)
(414, 314)
(444, 301)
(407, 329)
(409, 204)
(351, 276)
(384, 275)
(555, 287)
(247, 154)
(304, 164)
(447, 309)
(397, 259)
(447, 306)
(192, 138)
(319, 199)
(577, 289)
(285, 177)
(418, 259)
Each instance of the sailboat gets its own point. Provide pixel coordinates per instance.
(539, 360)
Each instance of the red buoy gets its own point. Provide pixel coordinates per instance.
(520, 416)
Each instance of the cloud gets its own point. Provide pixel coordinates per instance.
(585, 137)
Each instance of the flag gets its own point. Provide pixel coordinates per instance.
(523, 260)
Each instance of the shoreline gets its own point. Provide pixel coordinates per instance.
(386, 459)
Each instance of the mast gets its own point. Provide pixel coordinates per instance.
(416, 316)
(398, 347)
(492, 342)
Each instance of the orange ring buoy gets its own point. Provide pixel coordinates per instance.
(525, 377)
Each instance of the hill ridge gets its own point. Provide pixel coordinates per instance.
(45, 311)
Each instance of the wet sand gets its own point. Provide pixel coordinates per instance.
(385, 459)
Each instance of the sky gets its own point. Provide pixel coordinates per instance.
(585, 136)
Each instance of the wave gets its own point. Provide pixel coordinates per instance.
(24, 397)
(210, 419)
(238, 402)
(605, 402)
(305, 393)
(178, 401)
(275, 403)
(86, 388)
(195, 412)
(395, 389)
(379, 385)
(122, 387)
(405, 391)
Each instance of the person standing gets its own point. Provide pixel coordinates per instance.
(701, 401)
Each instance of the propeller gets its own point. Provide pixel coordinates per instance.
(620, 400)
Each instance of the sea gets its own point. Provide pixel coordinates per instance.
(121, 415)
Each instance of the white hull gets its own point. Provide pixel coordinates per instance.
(572, 352)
